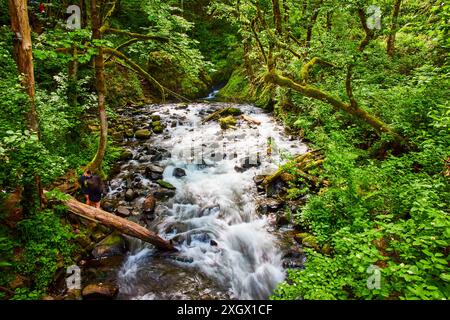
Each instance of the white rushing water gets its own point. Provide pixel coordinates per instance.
(216, 200)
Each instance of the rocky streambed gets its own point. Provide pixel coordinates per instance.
(193, 174)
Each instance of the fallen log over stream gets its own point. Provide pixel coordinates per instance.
(123, 225)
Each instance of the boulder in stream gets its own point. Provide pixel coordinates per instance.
(100, 291)
(126, 155)
(163, 194)
(149, 204)
(112, 245)
(130, 195)
(142, 134)
(123, 211)
(179, 172)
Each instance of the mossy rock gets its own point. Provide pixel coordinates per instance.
(156, 124)
(112, 245)
(307, 240)
(129, 133)
(158, 130)
(142, 134)
(227, 122)
(165, 184)
(326, 249)
(126, 155)
(232, 112)
(155, 118)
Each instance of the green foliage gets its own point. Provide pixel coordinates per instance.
(46, 247)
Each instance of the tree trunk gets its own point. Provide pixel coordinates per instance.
(391, 37)
(277, 16)
(72, 94)
(329, 23)
(23, 56)
(123, 225)
(99, 63)
(369, 33)
(311, 24)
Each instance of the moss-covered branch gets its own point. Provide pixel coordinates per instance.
(315, 93)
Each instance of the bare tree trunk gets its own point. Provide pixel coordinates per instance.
(394, 26)
(23, 54)
(99, 63)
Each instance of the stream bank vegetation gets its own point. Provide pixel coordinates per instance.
(370, 97)
(374, 101)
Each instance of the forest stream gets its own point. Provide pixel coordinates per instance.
(227, 248)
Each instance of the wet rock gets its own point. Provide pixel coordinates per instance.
(307, 240)
(259, 179)
(179, 172)
(130, 195)
(142, 134)
(165, 184)
(155, 118)
(123, 211)
(154, 172)
(173, 124)
(213, 243)
(117, 136)
(282, 220)
(158, 129)
(248, 162)
(269, 206)
(149, 204)
(275, 188)
(129, 133)
(73, 294)
(177, 227)
(112, 245)
(160, 155)
(154, 168)
(163, 194)
(100, 291)
(294, 252)
(293, 264)
(126, 155)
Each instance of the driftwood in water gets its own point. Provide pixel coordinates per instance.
(123, 225)
(251, 120)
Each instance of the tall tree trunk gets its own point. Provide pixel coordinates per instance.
(311, 23)
(277, 16)
(99, 63)
(394, 26)
(72, 94)
(329, 23)
(23, 54)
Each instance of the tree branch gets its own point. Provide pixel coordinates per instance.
(134, 66)
(304, 72)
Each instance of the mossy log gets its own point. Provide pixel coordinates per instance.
(230, 111)
(303, 163)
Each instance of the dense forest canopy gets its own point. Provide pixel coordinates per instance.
(364, 83)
